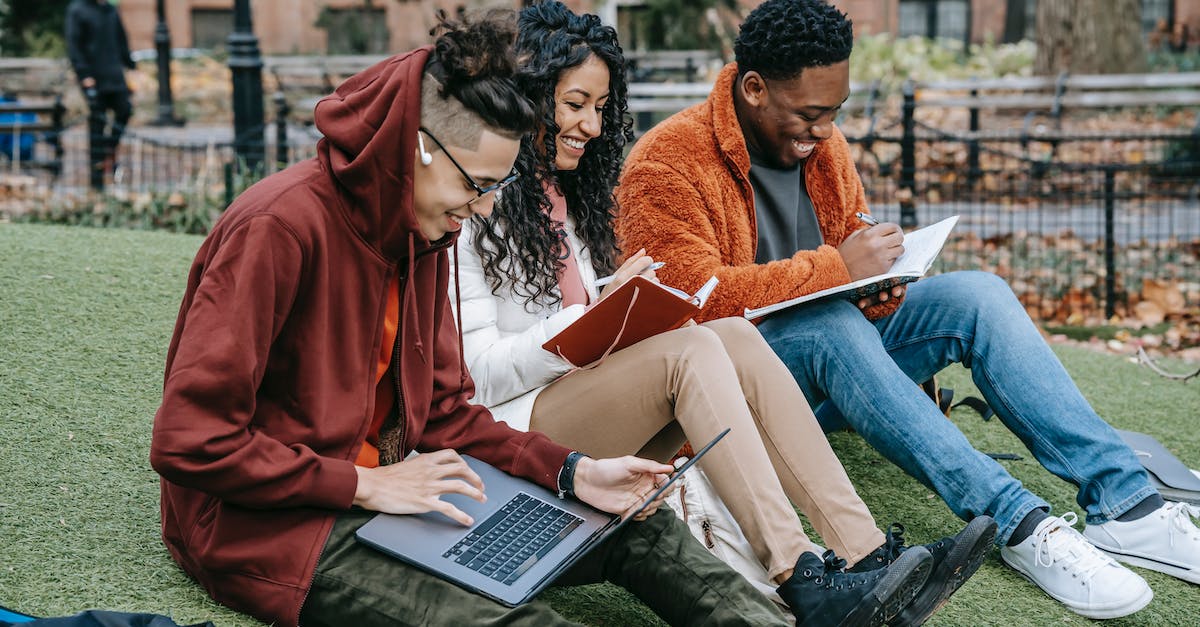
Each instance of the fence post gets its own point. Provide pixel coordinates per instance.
(908, 157)
(1110, 264)
(281, 139)
(228, 183)
(643, 120)
(973, 171)
(57, 118)
(245, 65)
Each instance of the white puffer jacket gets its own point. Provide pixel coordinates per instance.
(502, 339)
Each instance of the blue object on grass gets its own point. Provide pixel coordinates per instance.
(10, 144)
(9, 617)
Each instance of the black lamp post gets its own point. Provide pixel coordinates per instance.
(245, 63)
(162, 47)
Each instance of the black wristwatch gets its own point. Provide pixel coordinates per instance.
(566, 476)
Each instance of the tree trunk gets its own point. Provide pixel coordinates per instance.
(1089, 37)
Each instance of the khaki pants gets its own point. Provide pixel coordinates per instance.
(692, 383)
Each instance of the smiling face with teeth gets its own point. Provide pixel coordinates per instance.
(442, 196)
(782, 120)
(579, 99)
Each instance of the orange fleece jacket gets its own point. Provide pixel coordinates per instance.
(685, 197)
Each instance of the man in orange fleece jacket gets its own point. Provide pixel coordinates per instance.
(757, 186)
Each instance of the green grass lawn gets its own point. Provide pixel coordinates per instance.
(85, 316)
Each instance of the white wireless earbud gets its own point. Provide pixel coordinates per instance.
(426, 158)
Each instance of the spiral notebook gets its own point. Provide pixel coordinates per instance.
(921, 248)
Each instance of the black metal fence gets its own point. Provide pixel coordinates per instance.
(194, 160)
(1078, 222)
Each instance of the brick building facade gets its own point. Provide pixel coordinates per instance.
(339, 27)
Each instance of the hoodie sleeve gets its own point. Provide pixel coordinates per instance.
(123, 42)
(204, 435)
(504, 365)
(457, 424)
(76, 36)
(677, 221)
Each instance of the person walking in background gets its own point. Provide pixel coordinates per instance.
(99, 54)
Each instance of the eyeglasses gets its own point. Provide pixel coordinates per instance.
(480, 190)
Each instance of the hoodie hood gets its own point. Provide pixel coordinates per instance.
(370, 133)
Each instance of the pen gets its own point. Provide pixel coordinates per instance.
(602, 281)
(866, 218)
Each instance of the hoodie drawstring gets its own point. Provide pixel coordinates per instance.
(409, 297)
(462, 360)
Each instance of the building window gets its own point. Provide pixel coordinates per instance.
(1031, 19)
(948, 19)
(1156, 12)
(211, 28)
(360, 30)
(1156, 15)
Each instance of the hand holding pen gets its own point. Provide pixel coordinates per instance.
(871, 251)
(638, 264)
(605, 280)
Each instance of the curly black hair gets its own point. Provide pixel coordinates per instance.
(473, 59)
(780, 38)
(519, 242)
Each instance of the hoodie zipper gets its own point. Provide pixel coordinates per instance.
(401, 413)
(311, 581)
(401, 410)
(403, 424)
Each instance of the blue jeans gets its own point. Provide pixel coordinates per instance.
(860, 372)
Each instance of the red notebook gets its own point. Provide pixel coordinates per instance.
(637, 310)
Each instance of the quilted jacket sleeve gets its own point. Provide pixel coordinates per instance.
(504, 364)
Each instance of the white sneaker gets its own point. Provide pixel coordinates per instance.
(1063, 564)
(1166, 540)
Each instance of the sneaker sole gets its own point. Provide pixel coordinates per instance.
(1149, 563)
(904, 579)
(970, 549)
(1117, 612)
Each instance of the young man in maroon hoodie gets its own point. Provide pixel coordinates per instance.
(315, 349)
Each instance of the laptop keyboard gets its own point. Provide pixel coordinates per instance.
(514, 538)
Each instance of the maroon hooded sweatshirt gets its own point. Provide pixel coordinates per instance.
(270, 375)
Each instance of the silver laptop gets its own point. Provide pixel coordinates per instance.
(523, 538)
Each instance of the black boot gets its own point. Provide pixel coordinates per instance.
(955, 559)
(820, 592)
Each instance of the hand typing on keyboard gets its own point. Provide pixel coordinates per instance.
(414, 485)
(619, 485)
(513, 539)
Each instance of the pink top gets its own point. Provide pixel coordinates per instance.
(569, 281)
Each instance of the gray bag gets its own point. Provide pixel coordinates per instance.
(1174, 480)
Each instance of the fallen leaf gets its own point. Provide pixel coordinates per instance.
(1166, 294)
(1149, 312)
